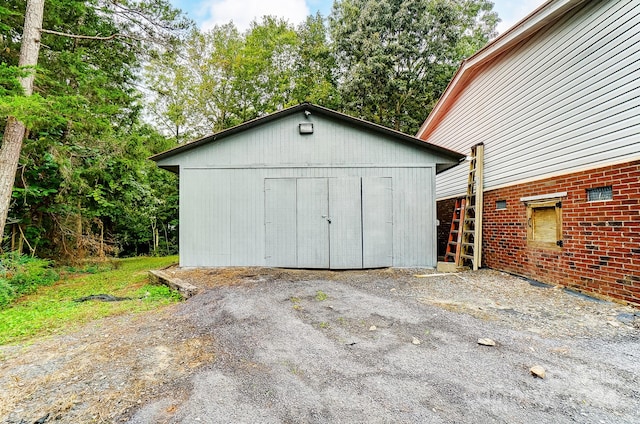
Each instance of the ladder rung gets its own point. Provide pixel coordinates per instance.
(466, 257)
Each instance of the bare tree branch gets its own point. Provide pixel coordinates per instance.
(87, 37)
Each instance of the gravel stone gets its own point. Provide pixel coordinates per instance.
(255, 345)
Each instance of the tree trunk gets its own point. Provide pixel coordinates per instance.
(101, 253)
(13, 238)
(15, 130)
(9, 156)
(79, 227)
(20, 241)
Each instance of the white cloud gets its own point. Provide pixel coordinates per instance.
(511, 12)
(242, 12)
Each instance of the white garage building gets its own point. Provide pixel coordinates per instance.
(308, 187)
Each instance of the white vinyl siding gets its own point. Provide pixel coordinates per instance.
(566, 99)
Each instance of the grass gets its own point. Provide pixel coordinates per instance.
(296, 303)
(321, 296)
(52, 310)
(22, 274)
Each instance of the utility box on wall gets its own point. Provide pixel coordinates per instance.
(307, 187)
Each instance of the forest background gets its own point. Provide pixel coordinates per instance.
(120, 80)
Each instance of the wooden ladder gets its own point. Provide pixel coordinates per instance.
(452, 253)
(471, 245)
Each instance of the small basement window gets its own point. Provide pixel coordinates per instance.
(501, 204)
(544, 224)
(599, 193)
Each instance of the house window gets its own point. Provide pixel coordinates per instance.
(501, 204)
(599, 193)
(544, 224)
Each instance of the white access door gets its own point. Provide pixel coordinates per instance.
(336, 223)
(345, 227)
(313, 223)
(377, 222)
(280, 222)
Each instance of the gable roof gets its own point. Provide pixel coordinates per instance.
(544, 15)
(314, 109)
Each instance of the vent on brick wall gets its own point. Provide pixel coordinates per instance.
(599, 193)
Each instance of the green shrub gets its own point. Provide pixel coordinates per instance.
(20, 274)
(156, 293)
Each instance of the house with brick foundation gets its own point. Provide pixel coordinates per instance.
(556, 102)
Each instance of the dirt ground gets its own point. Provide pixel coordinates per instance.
(289, 346)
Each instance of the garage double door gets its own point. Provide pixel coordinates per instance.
(337, 223)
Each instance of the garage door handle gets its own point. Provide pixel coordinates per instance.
(328, 218)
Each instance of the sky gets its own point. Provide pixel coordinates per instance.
(208, 13)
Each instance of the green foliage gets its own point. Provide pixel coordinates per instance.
(20, 274)
(387, 61)
(153, 293)
(315, 73)
(4, 15)
(222, 78)
(9, 83)
(85, 185)
(52, 309)
(396, 57)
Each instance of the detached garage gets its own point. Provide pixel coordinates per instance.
(307, 187)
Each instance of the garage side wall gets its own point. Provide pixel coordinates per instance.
(222, 213)
(600, 250)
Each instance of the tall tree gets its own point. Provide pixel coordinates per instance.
(264, 80)
(221, 78)
(395, 57)
(83, 124)
(315, 66)
(14, 131)
(193, 88)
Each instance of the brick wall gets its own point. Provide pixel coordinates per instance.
(601, 239)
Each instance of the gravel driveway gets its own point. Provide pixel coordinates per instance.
(384, 346)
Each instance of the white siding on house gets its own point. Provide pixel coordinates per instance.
(566, 99)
